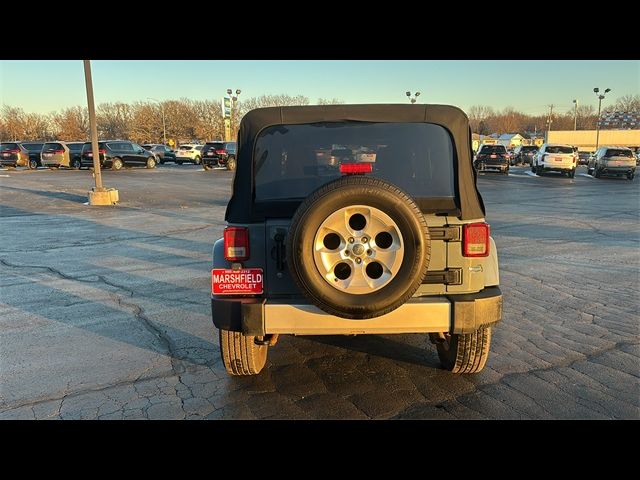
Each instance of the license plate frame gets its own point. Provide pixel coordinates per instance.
(245, 281)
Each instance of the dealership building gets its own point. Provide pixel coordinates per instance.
(585, 140)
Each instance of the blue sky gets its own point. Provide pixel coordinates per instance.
(49, 85)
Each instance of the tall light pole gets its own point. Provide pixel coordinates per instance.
(234, 100)
(600, 98)
(164, 126)
(412, 99)
(98, 195)
(575, 114)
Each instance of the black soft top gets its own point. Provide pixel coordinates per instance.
(241, 208)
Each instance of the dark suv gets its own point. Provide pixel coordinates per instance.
(219, 154)
(116, 154)
(523, 154)
(492, 157)
(388, 238)
(34, 149)
(162, 152)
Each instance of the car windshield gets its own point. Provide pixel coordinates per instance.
(618, 152)
(8, 146)
(185, 147)
(493, 149)
(216, 145)
(290, 161)
(529, 149)
(558, 149)
(52, 146)
(74, 147)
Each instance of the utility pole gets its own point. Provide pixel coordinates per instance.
(549, 120)
(98, 195)
(575, 114)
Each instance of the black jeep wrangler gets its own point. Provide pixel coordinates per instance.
(355, 219)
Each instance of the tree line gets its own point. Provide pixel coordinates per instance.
(485, 120)
(184, 119)
(187, 119)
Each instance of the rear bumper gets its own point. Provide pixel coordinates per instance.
(464, 313)
(560, 166)
(618, 170)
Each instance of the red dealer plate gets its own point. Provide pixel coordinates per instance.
(225, 281)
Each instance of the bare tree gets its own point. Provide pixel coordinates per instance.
(12, 121)
(210, 124)
(625, 104)
(71, 124)
(114, 120)
(479, 114)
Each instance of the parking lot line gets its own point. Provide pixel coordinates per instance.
(531, 174)
(586, 175)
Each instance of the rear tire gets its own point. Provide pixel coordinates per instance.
(596, 171)
(630, 176)
(76, 164)
(465, 353)
(240, 354)
(179, 162)
(32, 165)
(197, 160)
(151, 162)
(207, 166)
(231, 163)
(116, 164)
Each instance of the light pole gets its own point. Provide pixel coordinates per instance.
(412, 99)
(164, 127)
(234, 100)
(575, 114)
(600, 98)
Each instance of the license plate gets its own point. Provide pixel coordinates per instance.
(6, 154)
(48, 154)
(225, 281)
(493, 156)
(559, 159)
(210, 154)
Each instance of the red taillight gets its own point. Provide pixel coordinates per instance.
(220, 152)
(13, 152)
(355, 168)
(475, 240)
(236, 244)
(101, 151)
(58, 152)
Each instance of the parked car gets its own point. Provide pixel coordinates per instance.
(612, 161)
(492, 157)
(75, 152)
(189, 152)
(116, 154)
(13, 154)
(583, 158)
(222, 154)
(162, 152)
(34, 149)
(555, 158)
(391, 240)
(523, 154)
(55, 155)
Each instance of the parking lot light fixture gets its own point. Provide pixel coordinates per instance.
(600, 96)
(414, 98)
(98, 195)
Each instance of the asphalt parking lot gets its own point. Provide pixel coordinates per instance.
(105, 312)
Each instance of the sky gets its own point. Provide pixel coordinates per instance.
(530, 86)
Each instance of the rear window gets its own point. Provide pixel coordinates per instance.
(618, 152)
(147, 147)
(52, 146)
(215, 145)
(74, 147)
(558, 149)
(8, 146)
(33, 147)
(529, 149)
(290, 161)
(185, 147)
(493, 149)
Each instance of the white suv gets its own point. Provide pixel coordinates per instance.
(554, 157)
(189, 152)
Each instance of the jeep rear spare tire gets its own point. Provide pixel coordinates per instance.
(358, 247)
